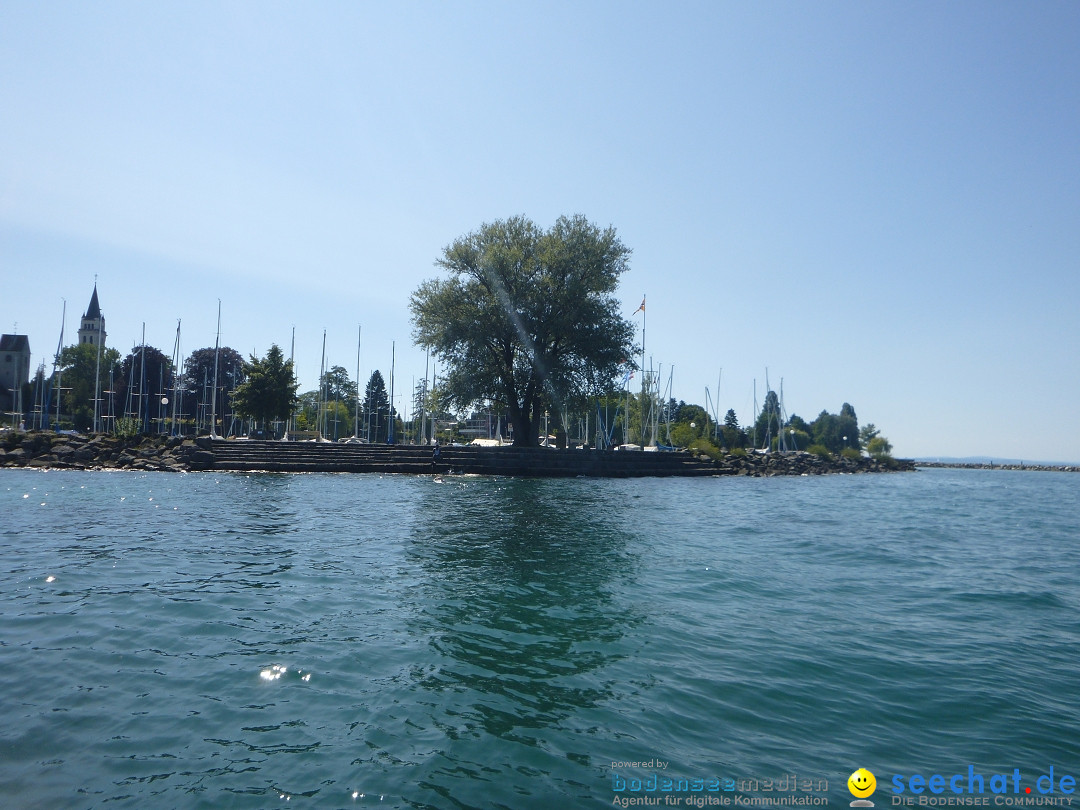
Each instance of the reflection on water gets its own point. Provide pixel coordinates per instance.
(364, 641)
(515, 603)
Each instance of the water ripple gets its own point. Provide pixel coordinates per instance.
(352, 641)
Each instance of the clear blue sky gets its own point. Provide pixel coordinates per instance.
(878, 202)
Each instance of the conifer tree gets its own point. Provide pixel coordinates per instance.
(269, 391)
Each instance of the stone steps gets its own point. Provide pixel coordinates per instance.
(274, 456)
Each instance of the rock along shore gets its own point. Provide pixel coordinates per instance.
(45, 450)
(992, 466)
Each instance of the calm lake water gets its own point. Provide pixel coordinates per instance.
(251, 641)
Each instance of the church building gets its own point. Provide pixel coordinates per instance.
(92, 330)
(14, 371)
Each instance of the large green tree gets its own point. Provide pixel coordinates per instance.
(78, 368)
(528, 319)
(767, 426)
(147, 373)
(733, 435)
(837, 432)
(199, 378)
(338, 387)
(376, 411)
(269, 390)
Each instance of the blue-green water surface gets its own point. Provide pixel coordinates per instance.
(354, 641)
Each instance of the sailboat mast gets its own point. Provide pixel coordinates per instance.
(177, 370)
(434, 375)
(714, 404)
(643, 372)
(144, 403)
(755, 414)
(390, 415)
(768, 424)
(423, 400)
(322, 389)
(668, 398)
(356, 417)
(213, 390)
(97, 378)
(291, 426)
(56, 371)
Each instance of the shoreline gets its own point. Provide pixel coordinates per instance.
(52, 451)
(962, 465)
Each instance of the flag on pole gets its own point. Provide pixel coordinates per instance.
(642, 307)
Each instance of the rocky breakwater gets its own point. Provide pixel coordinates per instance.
(760, 465)
(990, 465)
(46, 450)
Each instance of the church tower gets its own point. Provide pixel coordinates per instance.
(92, 330)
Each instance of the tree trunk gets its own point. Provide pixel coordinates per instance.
(524, 429)
(524, 432)
(520, 415)
(560, 432)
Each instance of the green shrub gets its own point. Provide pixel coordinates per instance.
(738, 452)
(126, 428)
(821, 451)
(879, 447)
(851, 453)
(705, 447)
(682, 435)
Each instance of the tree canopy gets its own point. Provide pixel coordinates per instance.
(376, 409)
(269, 390)
(146, 371)
(879, 447)
(338, 387)
(199, 378)
(528, 319)
(837, 432)
(768, 423)
(79, 368)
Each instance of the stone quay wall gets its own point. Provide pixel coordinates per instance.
(173, 454)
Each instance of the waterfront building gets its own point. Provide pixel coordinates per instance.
(14, 371)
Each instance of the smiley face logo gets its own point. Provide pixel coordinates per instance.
(861, 783)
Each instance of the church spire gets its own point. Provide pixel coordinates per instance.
(94, 310)
(92, 328)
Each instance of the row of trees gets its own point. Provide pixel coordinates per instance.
(831, 432)
(140, 387)
(135, 385)
(525, 322)
(336, 409)
(616, 419)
